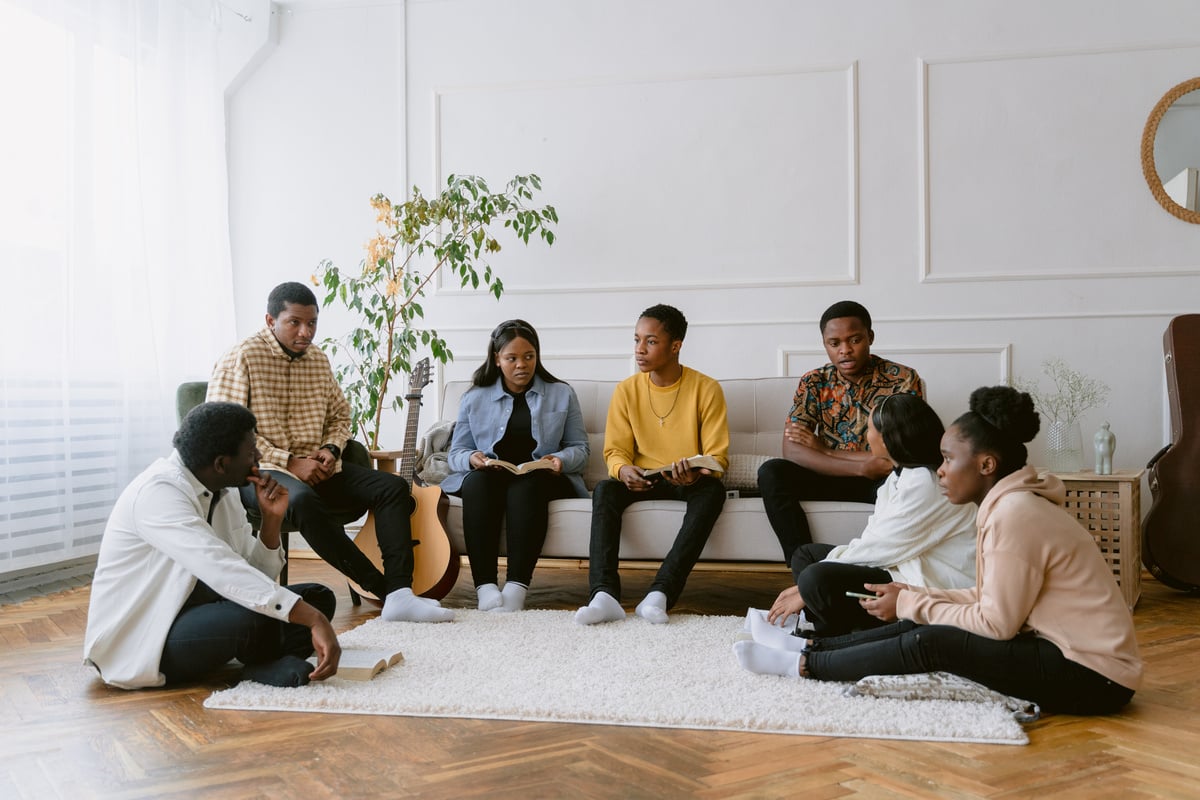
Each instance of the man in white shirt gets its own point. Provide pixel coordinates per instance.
(181, 584)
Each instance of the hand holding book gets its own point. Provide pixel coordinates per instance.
(691, 462)
(549, 463)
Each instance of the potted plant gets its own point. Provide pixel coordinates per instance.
(455, 230)
(1072, 394)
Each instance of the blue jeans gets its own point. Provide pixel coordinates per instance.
(492, 496)
(784, 484)
(210, 630)
(320, 513)
(705, 498)
(1027, 667)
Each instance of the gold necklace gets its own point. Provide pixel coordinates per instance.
(662, 418)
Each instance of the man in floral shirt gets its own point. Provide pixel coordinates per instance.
(825, 451)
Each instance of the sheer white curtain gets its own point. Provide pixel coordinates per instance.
(115, 276)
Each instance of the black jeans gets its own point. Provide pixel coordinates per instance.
(1027, 667)
(824, 584)
(317, 512)
(705, 498)
(784, 484)
(210, 630)
(492, 496)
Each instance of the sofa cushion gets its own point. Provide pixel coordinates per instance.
(743, 471)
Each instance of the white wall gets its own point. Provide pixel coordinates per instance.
(969, 171)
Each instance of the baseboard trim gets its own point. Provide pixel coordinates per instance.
(34, 581)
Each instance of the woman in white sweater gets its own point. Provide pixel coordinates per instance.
(915, 535)
(1044, 621)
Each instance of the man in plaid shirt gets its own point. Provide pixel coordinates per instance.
(303, 424)
(825, 450)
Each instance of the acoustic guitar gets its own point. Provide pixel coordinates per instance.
(435, 559)
(1170, 533)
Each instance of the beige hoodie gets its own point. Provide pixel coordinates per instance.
(1038, 569)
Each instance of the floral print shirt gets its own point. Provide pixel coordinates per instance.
(837, 409)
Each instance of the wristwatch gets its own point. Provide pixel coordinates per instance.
(333, 448)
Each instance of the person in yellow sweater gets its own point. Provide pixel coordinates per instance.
(659, 417)
(1045, 620)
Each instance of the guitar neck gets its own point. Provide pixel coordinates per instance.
(408, 461)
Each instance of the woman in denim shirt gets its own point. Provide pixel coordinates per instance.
(516, 412)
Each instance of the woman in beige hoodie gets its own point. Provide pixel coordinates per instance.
(1045, 620)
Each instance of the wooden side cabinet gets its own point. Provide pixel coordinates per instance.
(1110, 508)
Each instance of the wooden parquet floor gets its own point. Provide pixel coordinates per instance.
(64, 734)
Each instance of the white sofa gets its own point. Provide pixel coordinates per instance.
(757, 407)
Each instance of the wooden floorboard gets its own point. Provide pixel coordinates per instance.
(64, 734)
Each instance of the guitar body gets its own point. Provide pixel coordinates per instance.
(1171, 532)
(435, 559)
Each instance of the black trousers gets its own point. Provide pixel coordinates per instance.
(1027, 667)
(823, 585)
(210, 630)
(784, 484)
(705, 498)
(494, 496)
(318, 512)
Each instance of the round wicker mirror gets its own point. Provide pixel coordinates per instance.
(1149, 138)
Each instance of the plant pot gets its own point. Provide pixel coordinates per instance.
(1064, 446)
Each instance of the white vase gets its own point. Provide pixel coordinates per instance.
(1064, 446)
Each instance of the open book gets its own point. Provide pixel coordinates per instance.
(362, 665)
(519, 469)
(693, 462)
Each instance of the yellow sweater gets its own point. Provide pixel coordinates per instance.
(694, 422)
(1038, 570)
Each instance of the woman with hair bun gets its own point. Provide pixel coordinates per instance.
(1045, 621)
(516, 411)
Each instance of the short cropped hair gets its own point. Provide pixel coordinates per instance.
(672, 319)
(290, 292)
(846, 308)
(210, 430)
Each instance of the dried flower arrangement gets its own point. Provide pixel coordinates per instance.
(1073, 392)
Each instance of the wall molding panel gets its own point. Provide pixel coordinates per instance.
(1026, 111)
(793, 118)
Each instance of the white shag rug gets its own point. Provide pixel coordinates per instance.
(541, 666)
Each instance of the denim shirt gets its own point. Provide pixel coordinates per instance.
(558, 430)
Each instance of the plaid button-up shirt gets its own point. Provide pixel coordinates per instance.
(297, 401)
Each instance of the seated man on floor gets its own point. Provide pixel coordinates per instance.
(825, 450)
(303, 425)
(182, 586)
(659, 417)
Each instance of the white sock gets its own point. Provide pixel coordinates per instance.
(767, 660)
(603, 608)
(404, 606)
(773, 636)
(789, 623)
(489, 596)
(513, 596)
(653, 608)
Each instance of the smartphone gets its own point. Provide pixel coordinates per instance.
(862, 595)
